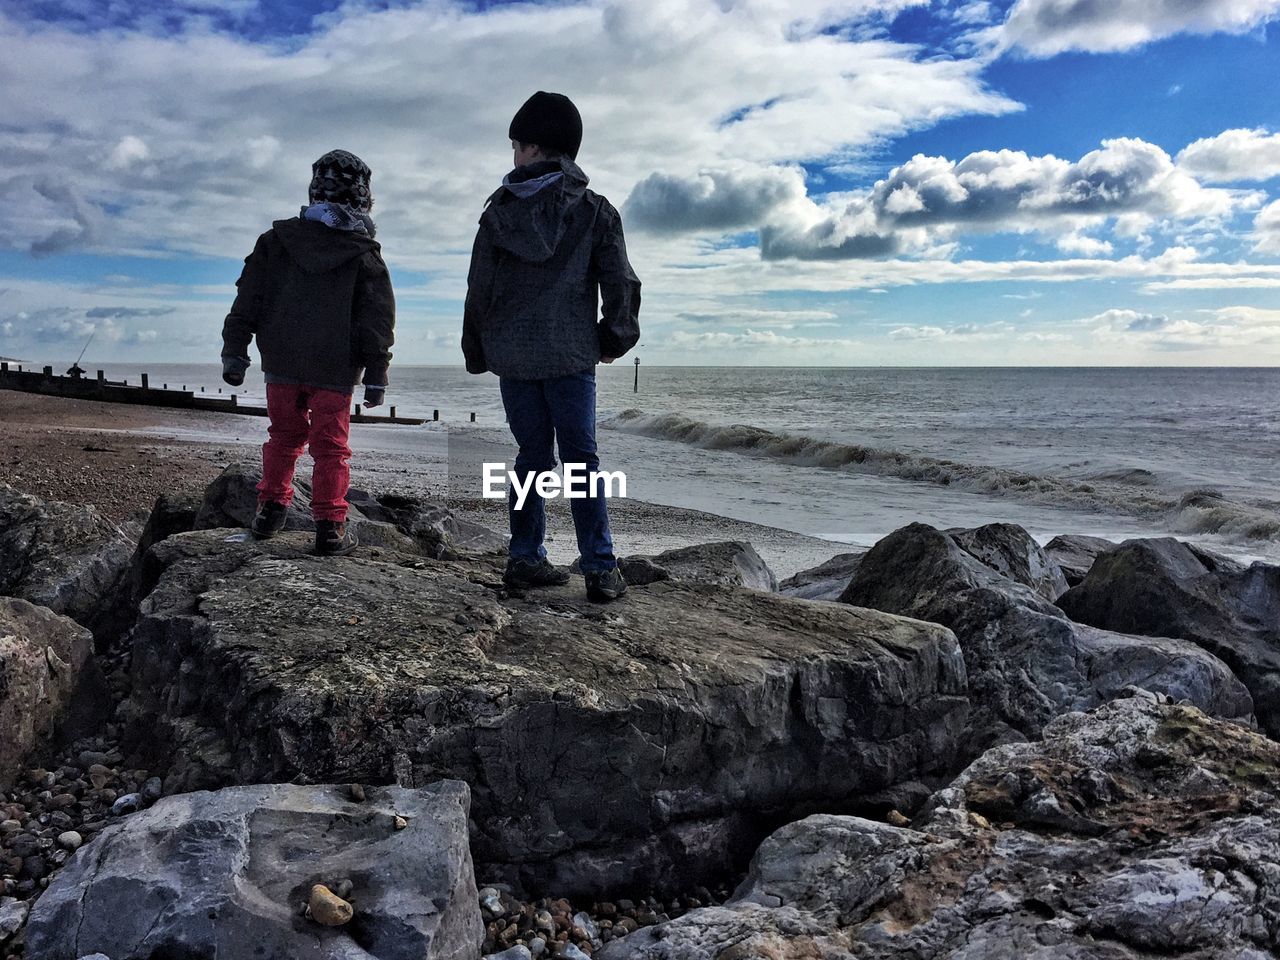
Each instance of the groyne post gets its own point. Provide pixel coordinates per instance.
(393, 413)
(102, 377)
(146, 383)
(473, 416)
(48, 371)
(435, 414)
(635, 388)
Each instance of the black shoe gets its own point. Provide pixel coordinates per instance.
(530, 573)
(269, 520)
(334, 538)
(605, 585)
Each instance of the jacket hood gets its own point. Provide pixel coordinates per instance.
(527, 213)
(318, 248)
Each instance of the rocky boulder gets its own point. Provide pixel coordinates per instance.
(63, 556)
(652, 740)
(1140, 829)
(727, 562)
(392, 522)
(1163, 587)
(826, 581)
(43, 660)
(1027, 662)
(1013, 553)
(1074, 554)
(226, 874)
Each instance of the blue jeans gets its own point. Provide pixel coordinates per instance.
(562, 409)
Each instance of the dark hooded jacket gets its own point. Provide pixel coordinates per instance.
(542, 264)
(319, 301)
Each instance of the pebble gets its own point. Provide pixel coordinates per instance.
(572, 952)
(343, 889)
(583, 920)
(153, 789)
(129, 803)
(70, 840)
(327, 908)
(356, 792)
(400, 823)
(518, 952)
(537, 947)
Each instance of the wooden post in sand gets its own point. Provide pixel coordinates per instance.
(435, 415)
(146, 384)
(473, 416)
(101, 377)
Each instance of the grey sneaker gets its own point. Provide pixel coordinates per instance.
(269, 520)
(528, 573)
(605, 585)
(335, 538)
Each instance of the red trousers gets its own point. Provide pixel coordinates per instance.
(301, 416)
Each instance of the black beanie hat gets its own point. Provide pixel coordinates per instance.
(341, 177)
(551, 121)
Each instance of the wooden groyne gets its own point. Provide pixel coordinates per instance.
(99, 388)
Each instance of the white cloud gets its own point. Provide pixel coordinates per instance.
(966, 331)
(1229, 282)
(718, 201)
(425, 94)
(127, 152)
(1233, 156)
(774, 319)
(1227, 327)
(1266, 229)
(1043, 28)
(751, 339)
(927, 201)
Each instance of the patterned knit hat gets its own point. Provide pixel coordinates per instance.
(341, 177)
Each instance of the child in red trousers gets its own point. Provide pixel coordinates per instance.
(317, 295)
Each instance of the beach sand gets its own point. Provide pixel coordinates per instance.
(120, 458)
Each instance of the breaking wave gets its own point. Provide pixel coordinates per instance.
(1131, 492)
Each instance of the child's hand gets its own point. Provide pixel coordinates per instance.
(373, 396)
(232, 373)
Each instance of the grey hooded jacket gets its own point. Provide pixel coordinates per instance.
(547, 252)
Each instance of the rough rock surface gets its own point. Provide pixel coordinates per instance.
(1141, 829)
(1075, 554)
(728, 562)
(1026, 661)
(63, 556)
(605, 745)
(826, 581)
(223, 874)
(42, 658)
(1013, 553)
(390, 521)
(1167, 588)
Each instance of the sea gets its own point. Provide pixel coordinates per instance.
(850, 454)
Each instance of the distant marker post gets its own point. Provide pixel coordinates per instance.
(636, 386)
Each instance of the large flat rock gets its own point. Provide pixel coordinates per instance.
(1141, 829)
(42, 657)
(1027, 661)
(225, 874)
(1163, 587)
(646, 743)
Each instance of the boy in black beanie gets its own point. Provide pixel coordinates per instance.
(316, 293)
(547, 253)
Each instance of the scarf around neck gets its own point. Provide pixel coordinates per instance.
(340, 216)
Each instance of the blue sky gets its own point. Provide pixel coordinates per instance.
(803, 181)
